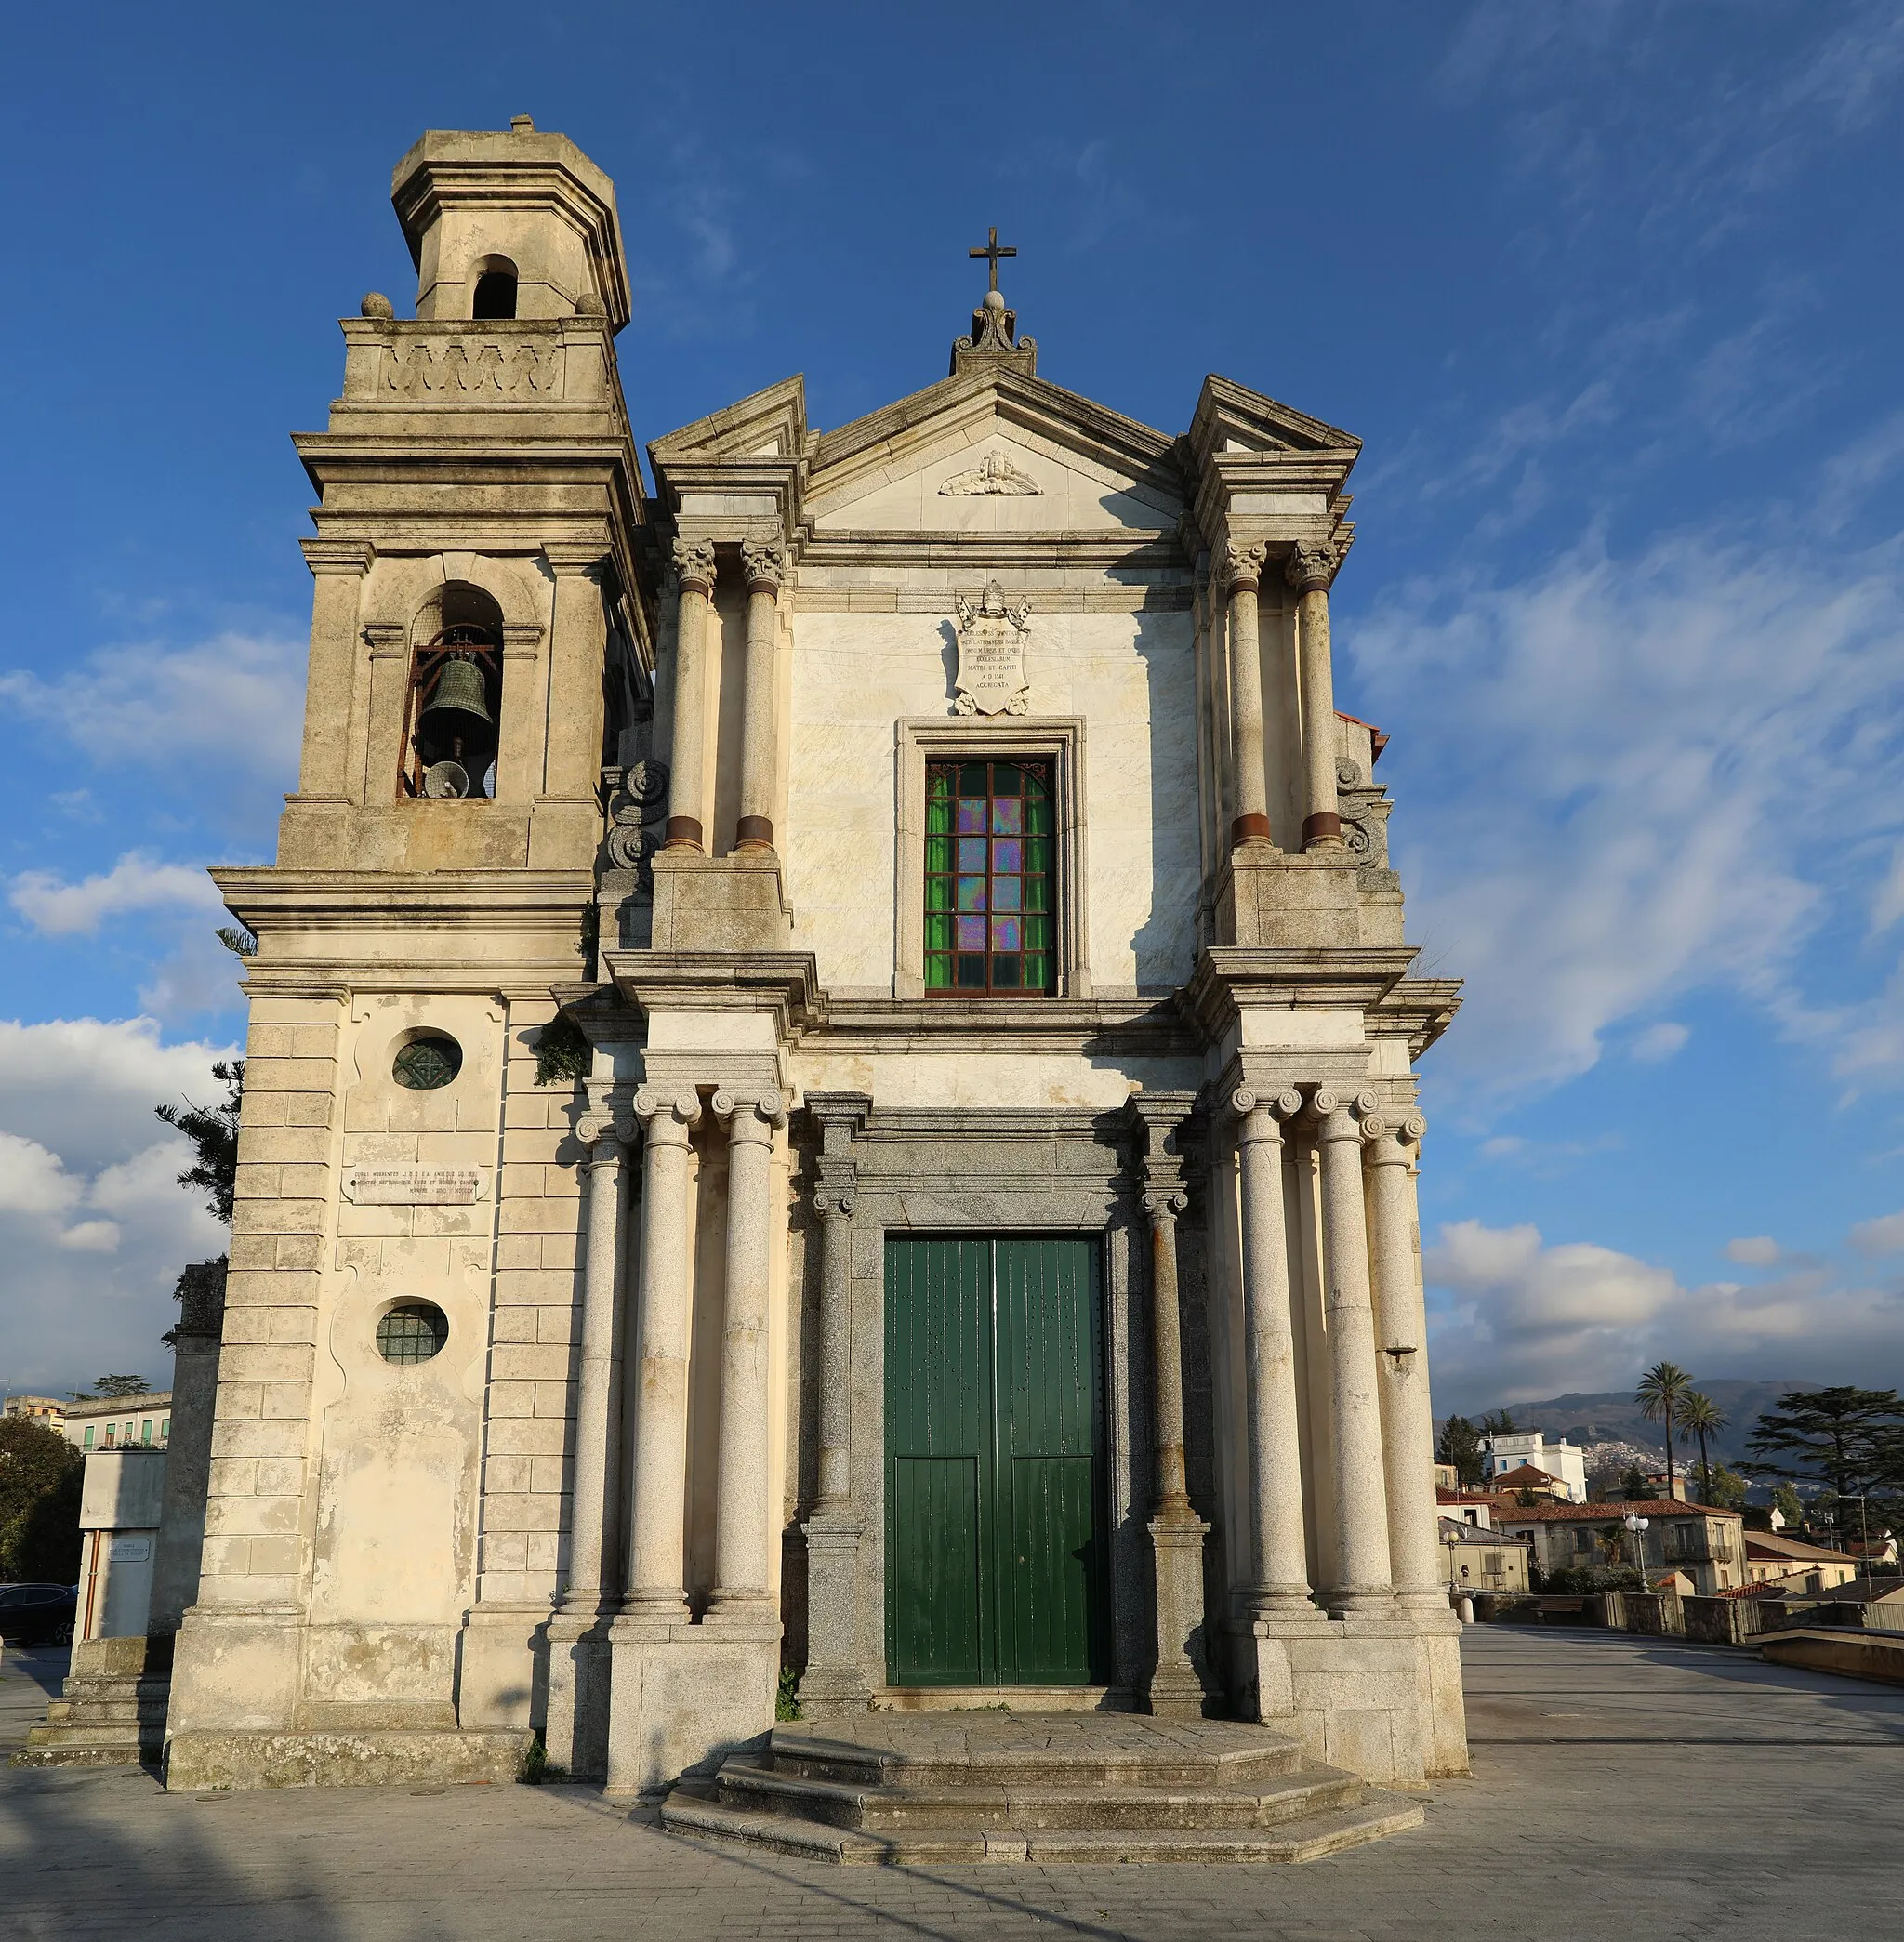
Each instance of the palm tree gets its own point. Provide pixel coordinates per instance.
(1661, 1393)
(1701, 1417)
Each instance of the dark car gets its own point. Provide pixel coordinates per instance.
(38, 1615)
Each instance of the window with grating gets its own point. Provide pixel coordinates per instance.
(991, 880)
(413, 1331)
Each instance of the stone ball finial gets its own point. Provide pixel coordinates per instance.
(376, 304)
(588, 305)
(995, 299)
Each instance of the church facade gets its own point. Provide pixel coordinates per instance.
(830, 1114)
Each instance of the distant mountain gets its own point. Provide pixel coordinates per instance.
(1612, 1416)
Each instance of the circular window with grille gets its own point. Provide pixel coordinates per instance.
(412, 1332)
(427, 1061)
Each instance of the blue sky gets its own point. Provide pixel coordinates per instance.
(1608, 289)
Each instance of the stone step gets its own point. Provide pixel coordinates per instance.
(1244, 1757)
(750, 1788)
(1301, 1839)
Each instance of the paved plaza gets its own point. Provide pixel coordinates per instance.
(1622, 1787)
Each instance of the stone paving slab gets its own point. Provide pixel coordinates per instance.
(1624, 1787)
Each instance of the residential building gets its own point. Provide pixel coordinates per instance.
(1772, 1558)
(121, 1422)
(1706, 1545)
(1478, 1560)
(1566, 1462)
(1474, 1507)
(45, 1409)
(1526, 1477)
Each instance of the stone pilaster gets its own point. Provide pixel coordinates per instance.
(764, 567)
(1180, 1681)
(835, 1681)
(338, 569)
(578, 645)
(1309, 571)
(575, 1733)
(693, 572)
(1359, 1575)
(1242, 571)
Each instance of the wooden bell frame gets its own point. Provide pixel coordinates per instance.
(474, 643)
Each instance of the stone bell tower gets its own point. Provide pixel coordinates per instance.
(380, 1546)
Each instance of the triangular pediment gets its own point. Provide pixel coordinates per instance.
(770, 424)
(1231, 420)
(994, 450)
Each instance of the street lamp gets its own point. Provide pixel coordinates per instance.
(1636, 1530)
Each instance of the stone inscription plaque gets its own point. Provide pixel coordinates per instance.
(413, 1186)
(991, 655)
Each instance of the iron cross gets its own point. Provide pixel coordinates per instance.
(993, 252)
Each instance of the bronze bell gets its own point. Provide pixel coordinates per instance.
(461, 690)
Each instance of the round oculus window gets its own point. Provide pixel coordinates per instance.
(430, 1060)
(413, 1331)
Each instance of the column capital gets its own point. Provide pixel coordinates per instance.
(763, 562)
(834, 1203)
(339, 556)
(1339, 1115)
(607, 1122)
(1390, 1137)
(666, 1117)
(1239, 568)
(1246, 1105)
(567, 557)
(693, 564)
(1164, 1204)
(755, 1117)
(1310, 569)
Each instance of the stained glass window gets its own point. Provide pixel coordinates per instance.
(990, 878)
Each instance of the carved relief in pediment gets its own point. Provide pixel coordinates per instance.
(995, 473)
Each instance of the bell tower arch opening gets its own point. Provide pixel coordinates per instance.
(452, 725)
(496, 289)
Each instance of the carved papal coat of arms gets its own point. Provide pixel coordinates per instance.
(991, 653)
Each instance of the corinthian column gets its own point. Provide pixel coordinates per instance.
(1360, 1578)
(1242, 568)
(1281, 1586)
(1401, 1336)
(741, 1534)
(658, 1520)
(1310, 569)
(765, 567)
(693, 572)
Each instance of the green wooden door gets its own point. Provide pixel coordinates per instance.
(994, 1539)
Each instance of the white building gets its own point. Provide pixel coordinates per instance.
(1562, 1460)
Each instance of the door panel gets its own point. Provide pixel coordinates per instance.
(995, 1478)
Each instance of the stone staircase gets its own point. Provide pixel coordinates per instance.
(105, 1720)
(906, 1788)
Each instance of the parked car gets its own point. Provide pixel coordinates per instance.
(38, 1615)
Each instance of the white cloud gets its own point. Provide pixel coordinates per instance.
(229, 709)
(135, 882)
(94, 1227)
(1757, 1250)
(1512, 1318)
(1887, 904)
(1660, 1042)
(1620, 781)
(1883, 1235)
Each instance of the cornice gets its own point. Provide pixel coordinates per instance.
(1144, 1027)
(1290, 977)
(1423, 1008)
(273, 898)
(784, 983)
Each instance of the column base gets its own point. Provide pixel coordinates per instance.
(1352, 1690)
(575, 1733)
(1180, 1685)
(834, 1683)
(683, 1697)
